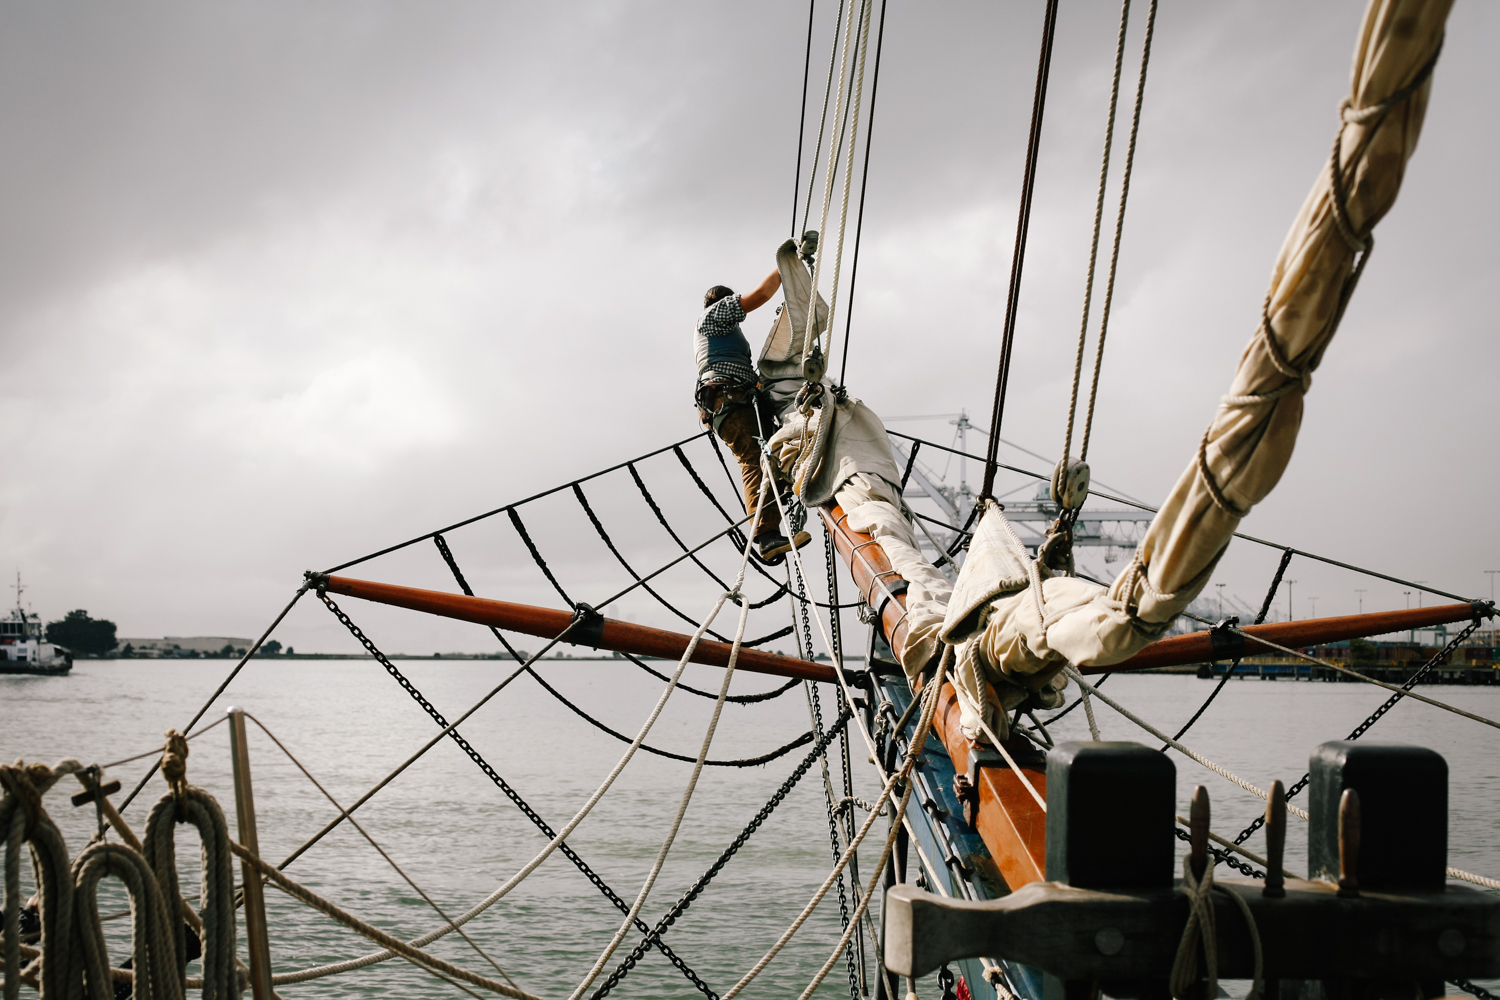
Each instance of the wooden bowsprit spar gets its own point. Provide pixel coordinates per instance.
(598, 632)
(1008, 819)
(1221, 644)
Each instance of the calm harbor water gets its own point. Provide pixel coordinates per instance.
(459, 837)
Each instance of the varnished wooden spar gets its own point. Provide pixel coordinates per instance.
(547, 623)
(1203, 647)
(1009, 821)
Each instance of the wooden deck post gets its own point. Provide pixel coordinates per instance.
(256, 935)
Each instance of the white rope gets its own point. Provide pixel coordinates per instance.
(687, 794)
(1088, 710)
(904, 774)
(1488, 883)
(396, 945)
(1025, 779)
(1218, 769)
(1368, 680)
(865, 8)
(319, 972)
(838, 114)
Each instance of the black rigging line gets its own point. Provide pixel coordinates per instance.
(1374, 717)
(812, 174)
(619, 557)
(864, 186)
(458, 576)
(1018, 258)
(1265, 609)
(656, 509)
(510, 506)
(680, 907)
(495, 777)
(802, 120)
(738, 699)
(1238, 534)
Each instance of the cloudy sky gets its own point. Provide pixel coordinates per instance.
(284, 283)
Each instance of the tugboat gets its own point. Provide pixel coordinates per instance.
(22, 649)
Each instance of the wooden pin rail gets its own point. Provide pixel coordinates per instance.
(548, 623)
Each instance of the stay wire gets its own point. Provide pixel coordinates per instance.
(254, 648)
(1265, 609)
(412, 759)
(463, 583)
(833, 58)
(510, 506)
(1372, 718)
(1018, 258)
(864, 187)
(687, 898)
(1238, 534)
(802, 118)
(451, 731)
(382, 851)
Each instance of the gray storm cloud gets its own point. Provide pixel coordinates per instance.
(281, 284)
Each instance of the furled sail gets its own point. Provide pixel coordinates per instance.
(1020, 638)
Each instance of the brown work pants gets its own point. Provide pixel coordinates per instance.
(737, 430)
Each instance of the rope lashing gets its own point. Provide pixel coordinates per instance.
(1018, 256)
(1201, 933)
(174, 764)
(1360, 244)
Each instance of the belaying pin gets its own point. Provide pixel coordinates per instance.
(1198, 831)
(1275, 841)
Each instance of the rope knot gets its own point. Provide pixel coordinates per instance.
(174, 764)
(25, 782)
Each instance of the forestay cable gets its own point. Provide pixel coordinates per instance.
(1018, 257)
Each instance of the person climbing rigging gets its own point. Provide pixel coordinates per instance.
(727, 386)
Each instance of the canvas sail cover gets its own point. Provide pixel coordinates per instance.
(1030, 634)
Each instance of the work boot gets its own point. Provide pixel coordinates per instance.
(771, 548)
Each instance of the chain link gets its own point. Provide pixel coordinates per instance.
(666, 922)
(1374, 717)
(1478, 991)
(510, 792)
